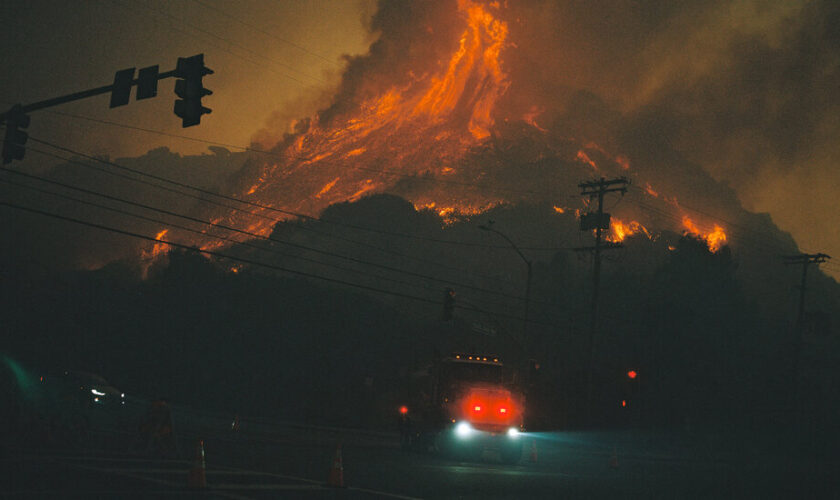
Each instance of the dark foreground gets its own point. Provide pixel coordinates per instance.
(264, 459)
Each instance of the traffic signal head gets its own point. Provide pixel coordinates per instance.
(14, 140)
(190, 89)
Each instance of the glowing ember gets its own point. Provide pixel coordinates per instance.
(584, 158)
(651, 191)
(530, 118)
(327, 188)
(559, 210)
(623, 161)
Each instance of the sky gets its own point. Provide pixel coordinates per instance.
(268, 56)
(747, 90)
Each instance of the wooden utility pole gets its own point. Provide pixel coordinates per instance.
(599, 221)
(805, 260)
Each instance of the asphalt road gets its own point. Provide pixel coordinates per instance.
(278, 460)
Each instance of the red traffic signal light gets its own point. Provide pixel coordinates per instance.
(631, 374)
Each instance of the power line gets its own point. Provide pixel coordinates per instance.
(306, 158)
(183, 22)
(269, 238)
(168, 134)
(266, 33)
(248, 233)
(204, 234)
(260, 205)
(251, 261)
(769, 238)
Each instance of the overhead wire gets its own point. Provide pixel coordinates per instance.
(170, 224)
(267, 207)
(264, 32)
(254, 262)
(773, 241)
(284, 242)
(183, 22)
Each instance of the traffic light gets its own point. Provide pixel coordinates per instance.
(15, 139)
(190, 89)
(448, 303)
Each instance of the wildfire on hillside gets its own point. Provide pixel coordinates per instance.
(438, 135)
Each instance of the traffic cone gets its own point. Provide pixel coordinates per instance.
(336, 476)
(533, 457)
(197, 478)
(614, 459)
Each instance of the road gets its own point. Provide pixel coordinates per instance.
(264, 459)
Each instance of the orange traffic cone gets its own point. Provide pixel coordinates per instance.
(197, 478)
(533, 457)
(336, 476)
(614, 459)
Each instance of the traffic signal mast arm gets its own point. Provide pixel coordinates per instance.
(189, 88)
(48, 103)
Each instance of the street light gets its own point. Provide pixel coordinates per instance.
(486, 227)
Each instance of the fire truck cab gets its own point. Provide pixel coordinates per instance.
(473, 407)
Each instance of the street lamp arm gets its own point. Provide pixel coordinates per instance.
(512, 244)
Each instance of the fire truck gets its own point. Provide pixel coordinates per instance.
(465, 404)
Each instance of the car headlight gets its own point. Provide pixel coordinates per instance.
(463, 429)
(513, 432)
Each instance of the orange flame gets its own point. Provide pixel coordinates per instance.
(158, 248)
(620, 230)
(421, 125)
(714, 239)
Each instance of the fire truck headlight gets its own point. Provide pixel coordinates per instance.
(513, 432)
(463, 430)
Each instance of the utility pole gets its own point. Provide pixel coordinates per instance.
(599, 221)
(805, 260)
